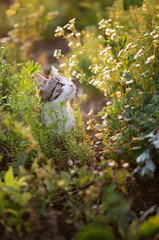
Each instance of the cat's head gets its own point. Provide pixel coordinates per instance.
(56, 88)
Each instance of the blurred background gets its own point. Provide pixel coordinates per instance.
(31, 24)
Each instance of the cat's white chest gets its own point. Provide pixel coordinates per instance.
(60, 117)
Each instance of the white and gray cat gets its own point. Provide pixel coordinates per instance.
(56, 92)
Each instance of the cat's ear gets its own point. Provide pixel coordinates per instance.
(41, 81)
(54, 71)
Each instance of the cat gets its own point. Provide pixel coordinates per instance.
(56, 92)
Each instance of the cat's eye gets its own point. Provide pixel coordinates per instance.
(58, 84)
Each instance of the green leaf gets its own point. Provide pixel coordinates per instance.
(95, 233)
(84, 180)
(62, 183)
(13, 212)
(26, 196)
(9, 177)
(122, 41)
(82, 172)
(1, 158)
(66, 176)
(150, 228)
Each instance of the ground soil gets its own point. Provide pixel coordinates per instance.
(145, 194)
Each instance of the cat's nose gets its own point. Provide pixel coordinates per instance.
(72, 85)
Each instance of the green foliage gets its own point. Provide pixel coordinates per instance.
(123, 63)
(31, 147)
(14, 200)
(30, 144)
(150, 228)
(95, 233)
(25, 132)
(91, 199)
